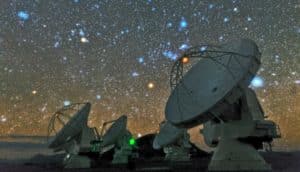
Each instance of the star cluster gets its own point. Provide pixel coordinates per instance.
(117, 54)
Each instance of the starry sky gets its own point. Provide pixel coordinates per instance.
(117, 54)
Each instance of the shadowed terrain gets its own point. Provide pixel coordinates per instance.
(31, 154)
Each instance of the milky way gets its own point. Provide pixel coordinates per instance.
(117, 54)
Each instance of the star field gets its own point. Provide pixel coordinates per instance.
(118, 54)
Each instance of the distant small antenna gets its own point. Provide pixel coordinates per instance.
(120, 138)
(71, 126)
(116, 130)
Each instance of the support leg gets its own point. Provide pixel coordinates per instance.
(233, 155)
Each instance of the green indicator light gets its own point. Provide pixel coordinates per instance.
(132, 141)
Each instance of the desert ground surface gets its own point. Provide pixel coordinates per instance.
(26, 154)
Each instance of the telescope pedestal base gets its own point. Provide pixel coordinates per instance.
(233, 155)
(121, 156)
(175, 153)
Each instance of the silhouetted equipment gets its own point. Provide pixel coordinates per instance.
(80, 142)
(168, 134)
(215, 92)
(74, 137)
(117, 130)
(174, 141)
(120, 138)
(145, 147)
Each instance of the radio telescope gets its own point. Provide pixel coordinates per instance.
(117, 137)
(174, 141)
(215, 92)
(74, 136)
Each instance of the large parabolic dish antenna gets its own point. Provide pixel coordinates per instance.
(117, 129)
(72, 128)
(211, 82)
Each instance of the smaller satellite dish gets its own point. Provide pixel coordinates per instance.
(72, 128)
(117, 129)
(168, 134)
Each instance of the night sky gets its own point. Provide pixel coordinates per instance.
(117, 54)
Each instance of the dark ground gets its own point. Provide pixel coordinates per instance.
(281, 162)
(28, 156)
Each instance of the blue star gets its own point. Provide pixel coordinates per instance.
(226, 19)
(170, 55)
(135, 74)
(203, 48)
(141, 60)
(183, 23)
(81, 32)
(257, 82)
(23, 15)
(249, 19)
(183, 47)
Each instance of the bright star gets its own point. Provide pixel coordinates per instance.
(170, 55)
(203, 48)
(81, 32)
(257, 82)
(249, 19)
(23, 15)
(183, 23)
(84, 40)
(141, 59)
(34, 92)
(135, 74)
(67, 103)
(150, 85)
(56, 44)
(183, 47)
(185, 60)
(221, 38)
(169, 24)
(3, 118)
(226, 19)
(98, 97)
